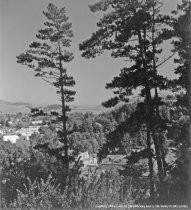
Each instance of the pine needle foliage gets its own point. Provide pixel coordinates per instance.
(48, 58)
(134, 31)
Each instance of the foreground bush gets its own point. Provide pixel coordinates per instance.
(103, 189)
(39, 195)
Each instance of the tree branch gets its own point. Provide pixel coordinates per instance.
(166, 60)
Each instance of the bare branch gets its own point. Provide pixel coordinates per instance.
(166, 60)
(46, 81)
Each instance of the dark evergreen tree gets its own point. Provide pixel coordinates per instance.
(181, 129)
(134, 30)
(47, 57)
(182, 27)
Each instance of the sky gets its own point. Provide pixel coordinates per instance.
(19, 22)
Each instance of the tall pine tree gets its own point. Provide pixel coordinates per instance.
(134, 30)
(47, 57)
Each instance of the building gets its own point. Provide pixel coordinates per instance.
(87, 160)
(1, 131)
(113, 162)
(11, 138)
(27, 132)
(37, 122)
(7, 131)
(10, 122)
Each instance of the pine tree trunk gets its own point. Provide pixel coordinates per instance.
(157, 143)
(64, 131)
(64, 119)
(163, 161)
(158, 155)
(148, 113)
(150, 162)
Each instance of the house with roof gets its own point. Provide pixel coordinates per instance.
(87, 160)
(11, 138)
(113, 162)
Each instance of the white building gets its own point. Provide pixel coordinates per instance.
(83, 155)
(87, 159)
(11, 138)
(37, 122)
(1, 131)
(27, 132)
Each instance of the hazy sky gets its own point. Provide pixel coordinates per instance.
(19, 22)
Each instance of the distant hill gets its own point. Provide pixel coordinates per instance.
(96, 109)
(7, 107)
(52, 107)
(15, 103)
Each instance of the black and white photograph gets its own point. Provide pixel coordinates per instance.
(95, 104)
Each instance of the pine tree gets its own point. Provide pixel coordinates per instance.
(134, 30)
(182, 29)
(47, 57)
(180, 170)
